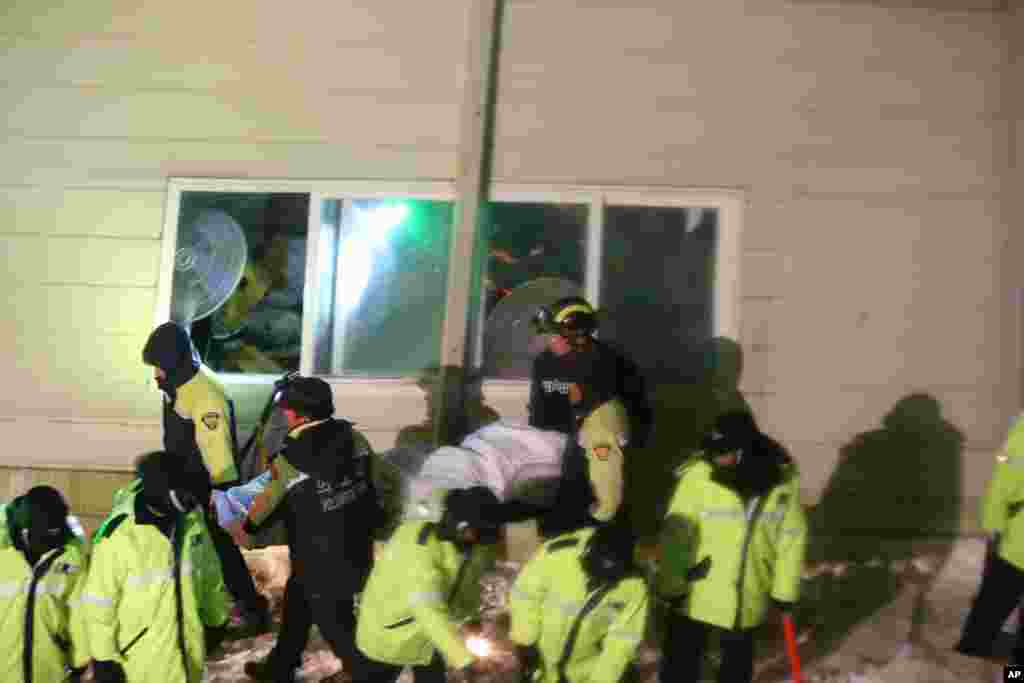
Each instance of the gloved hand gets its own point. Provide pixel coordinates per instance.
(108, 672)
(699, 570)
(528, 657)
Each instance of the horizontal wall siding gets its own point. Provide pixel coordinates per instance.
(103, 104)
(65, 211)
(147, 163)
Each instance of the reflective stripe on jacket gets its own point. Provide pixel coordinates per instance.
(130, 603)
(548, 598)
(756, 549)
(51, 590)
(419, 590)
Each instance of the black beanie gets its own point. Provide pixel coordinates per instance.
(46, 507)
(170, 348)
(161, 473)
(310, 397)
(732, 431)
(608, 555)
(476, 507)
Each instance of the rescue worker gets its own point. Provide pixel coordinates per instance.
(197, 422)
(427, 579)
(321, 485)
(1002, 581)
(571, 379)
(154, 601)
(732, 544)
(579, 608)
(573, 356)
(43, 566)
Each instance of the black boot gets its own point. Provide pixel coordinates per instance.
(268, 671)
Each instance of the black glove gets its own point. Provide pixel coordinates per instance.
(699, 570)
(528, 657)
(108, 672)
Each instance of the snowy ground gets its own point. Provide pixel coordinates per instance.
(867, 623)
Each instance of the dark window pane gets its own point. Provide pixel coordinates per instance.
(657, 284)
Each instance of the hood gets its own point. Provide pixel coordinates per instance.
(170, 349)
(322, 449)
(764, 466)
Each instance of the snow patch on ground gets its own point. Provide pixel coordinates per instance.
(873, 622)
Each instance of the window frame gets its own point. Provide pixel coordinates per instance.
(729, 203)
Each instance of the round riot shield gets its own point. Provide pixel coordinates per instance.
(208, 264)
(510, 343)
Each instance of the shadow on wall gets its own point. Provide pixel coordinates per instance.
(683, 410)
(885, 524)
(472, 414)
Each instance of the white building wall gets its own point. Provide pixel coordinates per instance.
(872, 140)
(104, 101)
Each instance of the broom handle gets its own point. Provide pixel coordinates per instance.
(794, 656)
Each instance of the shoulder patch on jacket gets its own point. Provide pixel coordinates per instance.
(425, 532)
(563, 543)
(109, 526)
(211, 420)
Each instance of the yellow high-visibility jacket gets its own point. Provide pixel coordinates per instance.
(602, 435)
(548, 598)
(202, 403)
(1003, 501)
(756, 550)
(419, 591)
(146, 608)
(43, 598)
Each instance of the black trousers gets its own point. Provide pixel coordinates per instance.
(685, 643)
(334, 615)
(237, 578)
(1002, 586)
(379, 672)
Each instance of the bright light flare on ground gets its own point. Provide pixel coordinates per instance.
(479, 646)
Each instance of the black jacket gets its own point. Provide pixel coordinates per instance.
(603, 372)
(331, 509)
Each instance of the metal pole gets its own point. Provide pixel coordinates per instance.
(471, 185)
